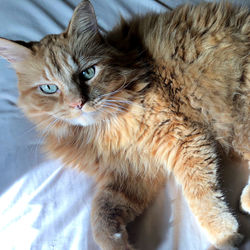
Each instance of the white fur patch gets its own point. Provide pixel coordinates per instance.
(245, 196)
(117, 236)
(84, 120)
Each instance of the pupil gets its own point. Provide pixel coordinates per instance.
(89, 71)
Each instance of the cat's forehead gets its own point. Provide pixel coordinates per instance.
(54, 40)
(64, 52)
(57, 56)
(54, 45)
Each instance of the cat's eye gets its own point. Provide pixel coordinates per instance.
(48, 88)
(88, 74)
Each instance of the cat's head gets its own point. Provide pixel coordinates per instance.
(78, 77)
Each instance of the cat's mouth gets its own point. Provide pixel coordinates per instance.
(91, 114)
(85, 119)
(87, 116)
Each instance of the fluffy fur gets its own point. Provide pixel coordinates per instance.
(170, 91)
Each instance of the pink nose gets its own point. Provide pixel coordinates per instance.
(77, 105)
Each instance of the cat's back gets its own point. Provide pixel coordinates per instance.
(187, 31)
(201, 54)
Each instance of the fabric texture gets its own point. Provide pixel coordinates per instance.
(45, 206)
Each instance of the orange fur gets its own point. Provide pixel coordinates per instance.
(169, 89)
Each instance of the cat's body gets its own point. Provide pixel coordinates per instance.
(169, 88)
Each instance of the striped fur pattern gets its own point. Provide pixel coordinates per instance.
(170, 91)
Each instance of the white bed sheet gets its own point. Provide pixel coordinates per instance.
(45, 206)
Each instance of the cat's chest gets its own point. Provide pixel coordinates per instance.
(136, 131)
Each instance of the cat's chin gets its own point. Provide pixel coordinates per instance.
(83, 121)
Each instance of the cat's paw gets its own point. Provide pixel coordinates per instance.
(230, 243)
(225, 236)
(245, 200)
(113, 241)
(124, 245)
(116, 244)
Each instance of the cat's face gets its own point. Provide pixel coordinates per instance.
(74, 77)
(75, 85)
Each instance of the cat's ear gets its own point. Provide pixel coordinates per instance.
(83, 22)
(14, 52)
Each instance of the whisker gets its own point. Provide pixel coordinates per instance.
(126, 102)
(124, 85)
(42, 136)
(35, 126)
(114, 104)
(120, 101)
(117, 108)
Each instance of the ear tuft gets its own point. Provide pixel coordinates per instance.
(12, 51)
(83, 21)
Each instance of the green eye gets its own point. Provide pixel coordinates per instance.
(88, 73)
(48, 88)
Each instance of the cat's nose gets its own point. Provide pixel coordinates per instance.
(77, 104)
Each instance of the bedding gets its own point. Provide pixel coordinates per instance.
(46, 206)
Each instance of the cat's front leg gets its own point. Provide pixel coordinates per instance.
(110, 214)
(195, 168)
(117, 202)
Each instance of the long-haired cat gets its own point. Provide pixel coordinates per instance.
(159, 93)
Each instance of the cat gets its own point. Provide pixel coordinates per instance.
(159, 93)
